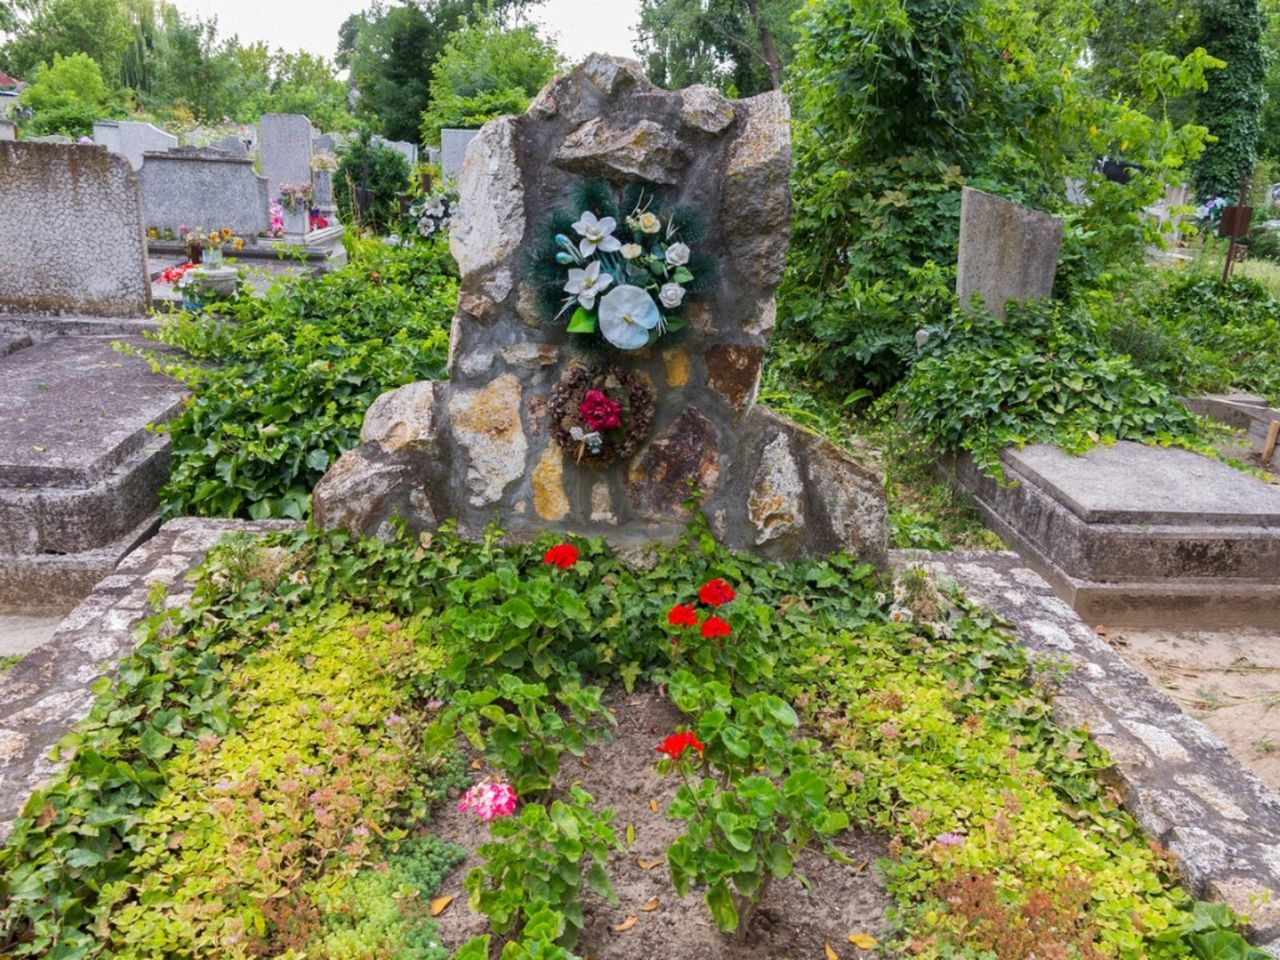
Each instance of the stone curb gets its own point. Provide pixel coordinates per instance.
(50, 690)
(1178, 781)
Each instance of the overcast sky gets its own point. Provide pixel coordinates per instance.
(578, 26)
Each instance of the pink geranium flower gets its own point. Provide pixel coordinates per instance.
(488, 800)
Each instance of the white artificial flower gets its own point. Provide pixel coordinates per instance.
(426, 226)
(627, 314)
(587, 284)
(435, 208)
(671, 295)
(649, 223)
(631, 250)
(596, 234)
(677, 255)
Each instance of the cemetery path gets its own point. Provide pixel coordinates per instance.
(1229, 680)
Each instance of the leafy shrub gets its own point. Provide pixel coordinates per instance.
(281, 385)
(388, 176)
(67, 96)
(1044, 374)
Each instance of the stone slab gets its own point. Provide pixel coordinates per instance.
(132, 139)
(1154, 546)
(8, 130)
(11, 343)
(74, 409)
(1243, 412)
(453, 150)
(40, 327)
(204, 190)
(285, 146)
(20, 634)
(50, 690)
(1007, 252)
(1178, 781)
(71, 237)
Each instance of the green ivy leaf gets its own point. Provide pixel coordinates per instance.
(154, 744)
(582, 322)
(720, 903)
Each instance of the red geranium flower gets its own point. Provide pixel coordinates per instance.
(682, 615)
(713, 627)
(715, 592)
(600, 411)
(677, 743)
(562, 555)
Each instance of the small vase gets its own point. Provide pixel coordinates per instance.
(213, 256)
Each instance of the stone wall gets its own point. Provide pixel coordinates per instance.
(71, 234)
(204, 189)
(480, 447)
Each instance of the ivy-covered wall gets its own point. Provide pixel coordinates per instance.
(1230, 30)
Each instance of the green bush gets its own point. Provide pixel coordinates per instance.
(280, 386)
(388, 176)
(67, 96)
(1044, 374)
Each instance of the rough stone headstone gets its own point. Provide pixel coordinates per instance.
(8, 130)
(205, 189)
(1007, 252)
(71, 233)
(484, 445)
(132, 139)
(433, 156)
(285, 144)
(453, 150)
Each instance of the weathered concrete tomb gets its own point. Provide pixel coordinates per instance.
(1006, 252)
(504, 438)
(1132, 535)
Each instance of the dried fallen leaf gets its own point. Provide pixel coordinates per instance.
(38, 449)
(626, 924)
(829, 953)
(653, 805)
(647, 864)
(650, 905)
(631, 834)
(440, 904)
(863, 941)
(477, 764)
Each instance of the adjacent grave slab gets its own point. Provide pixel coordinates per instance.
(79, 468)
(1180, 783)
(204, 189)
(1007, 252)
(1132, 535)
(71, 238)
(51, 689)
(1248, 413)
(488, 445)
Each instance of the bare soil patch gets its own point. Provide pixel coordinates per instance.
(794, 924)
(1229, 680)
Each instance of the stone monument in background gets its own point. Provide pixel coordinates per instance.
(285, 145)
(1007, 252)
(493, 442)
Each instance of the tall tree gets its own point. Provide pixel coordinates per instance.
(742, 46)
(97, 28)
(1231, 107)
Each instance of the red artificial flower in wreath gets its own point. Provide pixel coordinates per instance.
(599, 411)
(677, 743)
(562, 555)
(713, 628)
(716, 592)
(682, 615)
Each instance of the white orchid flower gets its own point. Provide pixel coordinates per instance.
(596, 234)
(587, 284)
(671, 295)
(631, 250)
(627, 314)
(677, 254)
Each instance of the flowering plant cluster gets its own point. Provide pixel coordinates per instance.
(621, 272)
(705, 634)
(489, 800)
(277, 219)
(434, 212)
(175, 274)
(1210, 212)
(317, 220)
(296, 196)
(600, 414)
(324, 160)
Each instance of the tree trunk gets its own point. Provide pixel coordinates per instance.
(766, 46)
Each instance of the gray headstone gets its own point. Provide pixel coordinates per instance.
(71, 238)
(1076, 195)
(453, 150)
(205, 189)
(433, 156)
(496, 440)
(326, 142)
(407, 150)
(285, 144)
(131, 139)
(232, 145)
(8, 129)
(1007, 252)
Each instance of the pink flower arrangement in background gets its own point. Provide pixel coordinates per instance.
(277, 220)
(489, 800)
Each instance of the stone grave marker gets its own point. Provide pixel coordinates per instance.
(285, 144)
(132, 139)
(453, 150)
(1007, 252)
(8, 130)
(407, 150)
(509, 437)
(232, 145)
(99, 268)
(205, 189)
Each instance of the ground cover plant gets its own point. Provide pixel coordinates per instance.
(280, 384)
(266, 775)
